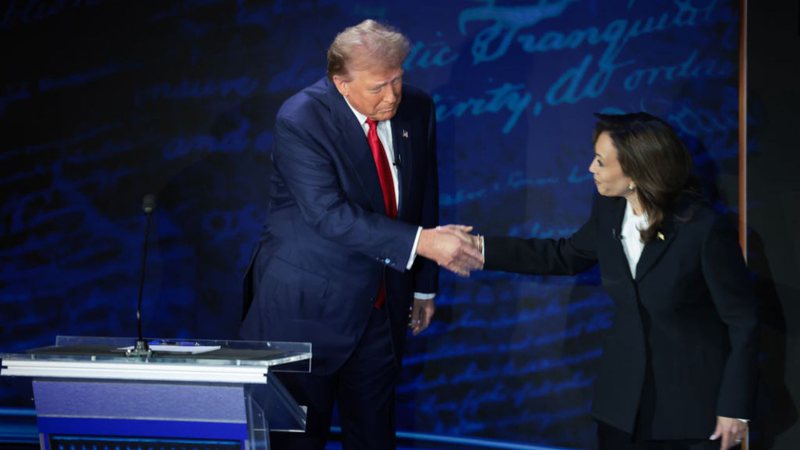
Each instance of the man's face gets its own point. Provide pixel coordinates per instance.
(374, 91)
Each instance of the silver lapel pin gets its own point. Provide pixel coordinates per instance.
(405, 134)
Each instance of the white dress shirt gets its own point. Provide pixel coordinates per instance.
(631, 238)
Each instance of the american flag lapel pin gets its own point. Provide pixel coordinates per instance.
(405, 134)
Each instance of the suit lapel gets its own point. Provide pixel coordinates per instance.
(354, 148)
(401, 142)
(654, 249)
(618, 213)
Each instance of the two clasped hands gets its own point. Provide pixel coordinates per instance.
(452, 247)
(455, 249)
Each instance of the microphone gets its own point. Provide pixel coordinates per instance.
(141, 348)
(398, 160)
(148, 203)
(616, 236)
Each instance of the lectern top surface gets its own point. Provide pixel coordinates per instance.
(171, 351)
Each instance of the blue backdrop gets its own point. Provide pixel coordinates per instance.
(102, 102)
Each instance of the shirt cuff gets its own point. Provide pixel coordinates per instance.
(423, 296)
(414, 250)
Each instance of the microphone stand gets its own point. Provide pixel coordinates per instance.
(141, 348)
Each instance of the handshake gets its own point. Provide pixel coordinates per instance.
(452, 247)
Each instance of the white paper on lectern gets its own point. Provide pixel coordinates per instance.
(191, 349)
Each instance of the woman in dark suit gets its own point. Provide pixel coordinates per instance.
(679, 364)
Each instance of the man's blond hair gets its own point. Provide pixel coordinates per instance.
(364, 45)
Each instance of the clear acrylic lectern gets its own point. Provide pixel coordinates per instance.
(186, 395)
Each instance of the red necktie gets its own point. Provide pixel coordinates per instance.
(387, 186)
(384, 171)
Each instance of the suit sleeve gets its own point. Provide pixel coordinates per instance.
(565, 256)
(427, 272)
(310, 176)
(731, 291)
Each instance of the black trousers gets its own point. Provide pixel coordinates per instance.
(363, 388)
(612, 438)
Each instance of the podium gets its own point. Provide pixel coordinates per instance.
(185, 395)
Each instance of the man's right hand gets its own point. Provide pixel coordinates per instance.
(451, 247)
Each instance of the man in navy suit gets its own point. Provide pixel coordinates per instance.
(352, 241)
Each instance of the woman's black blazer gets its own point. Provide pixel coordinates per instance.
(683, 347)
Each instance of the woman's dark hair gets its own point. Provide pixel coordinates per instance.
(653, 156)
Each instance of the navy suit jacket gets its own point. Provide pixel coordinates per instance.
(683, 346)
(327, 243)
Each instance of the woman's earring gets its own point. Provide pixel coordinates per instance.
(631, 186)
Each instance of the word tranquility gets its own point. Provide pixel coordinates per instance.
(587, 79)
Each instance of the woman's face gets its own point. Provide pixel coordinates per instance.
(609, 178)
